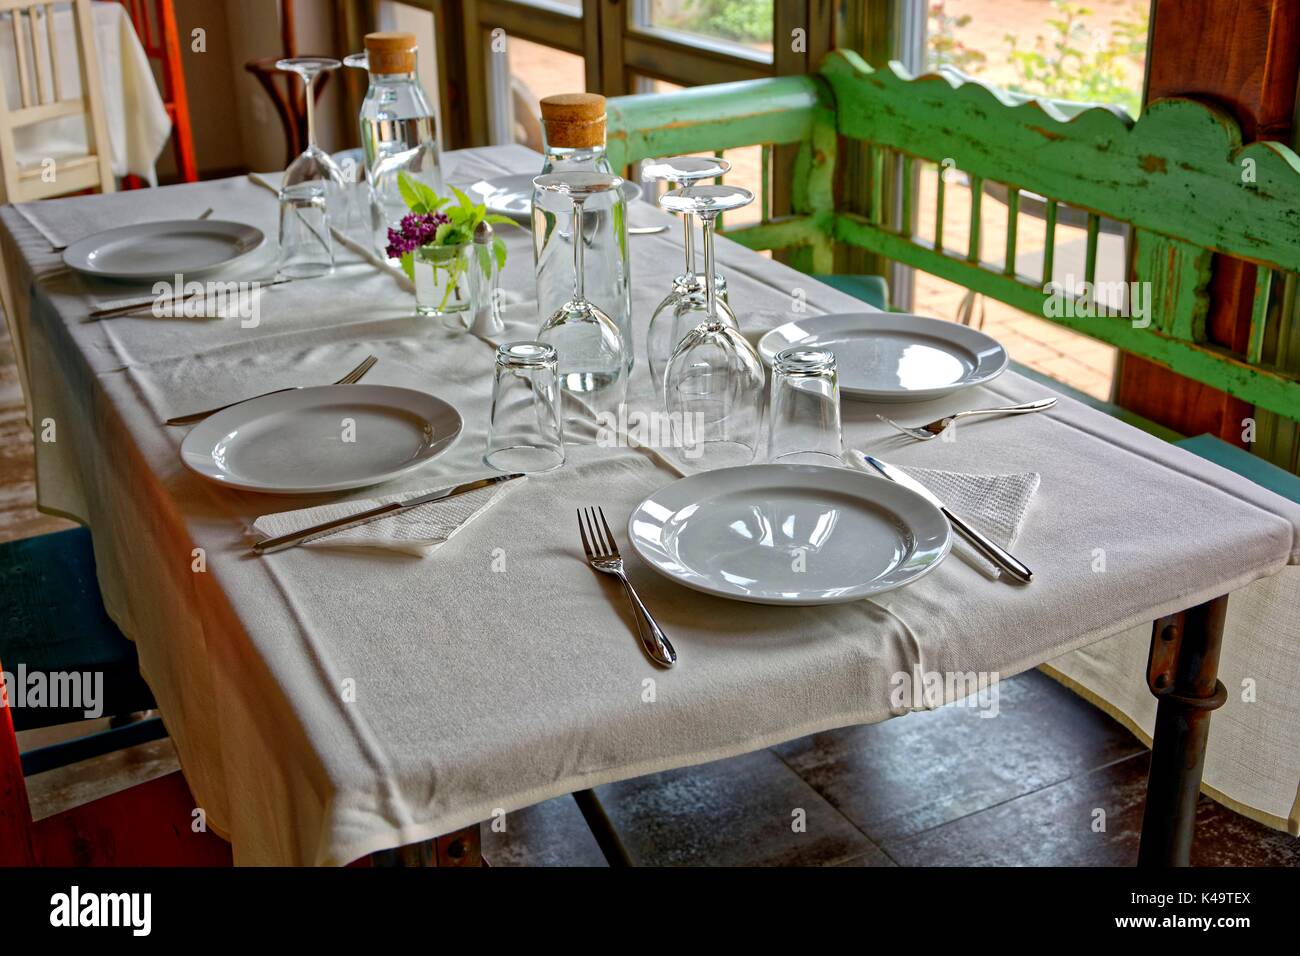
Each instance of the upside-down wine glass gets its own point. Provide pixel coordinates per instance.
(311, 185)
(592, 361)
(713, 385)
(684, 307)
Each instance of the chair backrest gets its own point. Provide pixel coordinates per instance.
(45, 94)
(16, 846)
(1179, 178)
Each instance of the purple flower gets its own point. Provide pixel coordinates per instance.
(416, 230)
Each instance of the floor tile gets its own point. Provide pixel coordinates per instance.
(1050, 827)
(927, 768)
(737, 812)
(546, 834)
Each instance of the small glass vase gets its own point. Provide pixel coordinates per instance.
(443, 284)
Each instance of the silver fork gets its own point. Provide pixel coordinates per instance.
(351, 378)
(940, 425)
(603, 556)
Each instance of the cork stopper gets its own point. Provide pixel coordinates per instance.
(574, 120)
(390, 52)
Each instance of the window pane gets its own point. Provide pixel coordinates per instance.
(537, 71)
(746, 23)
(1084, 53)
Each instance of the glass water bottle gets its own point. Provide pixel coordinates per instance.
(399, 130)
(574, 125)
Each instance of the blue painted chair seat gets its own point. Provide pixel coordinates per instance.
(52, 620)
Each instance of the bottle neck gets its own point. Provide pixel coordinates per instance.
(582, 157)
(391, 78)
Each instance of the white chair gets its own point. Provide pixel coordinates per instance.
(33, 88)
(40, 98)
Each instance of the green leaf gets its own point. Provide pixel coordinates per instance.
(465, 202)
(408, 265)
(499, 220)
(409, 190)
(440, 237)
(499, 250)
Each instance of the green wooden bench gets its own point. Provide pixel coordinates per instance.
(1178, 179)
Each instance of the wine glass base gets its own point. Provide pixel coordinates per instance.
(306, 270)
(708, 455)
(808, 458)
(528, 459)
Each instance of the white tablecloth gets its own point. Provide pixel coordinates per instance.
(325, 705)
(138, 125)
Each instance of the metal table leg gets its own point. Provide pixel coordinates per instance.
(462, 848)
(607, 837)
(1182, 672)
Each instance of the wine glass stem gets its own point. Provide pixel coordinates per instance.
(579, 293)
(689, 223)
(710, 285)
(309, 80)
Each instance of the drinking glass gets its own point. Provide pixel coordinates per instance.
(593, 361)
(311, 185)
(684, 307)
(804, 427)
(713, 384)
(526, 425)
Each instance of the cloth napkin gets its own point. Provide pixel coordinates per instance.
(994, 504)
(419, 531)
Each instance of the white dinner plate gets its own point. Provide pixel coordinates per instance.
(513, 195)
(789, 534)
(159, 250)
(889, 357)
(324, 438)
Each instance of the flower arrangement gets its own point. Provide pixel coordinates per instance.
(439, 231)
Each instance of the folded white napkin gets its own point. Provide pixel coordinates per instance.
(418, 531)
(993, 504)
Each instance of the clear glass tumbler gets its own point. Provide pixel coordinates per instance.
(804, 425)
(526, 427)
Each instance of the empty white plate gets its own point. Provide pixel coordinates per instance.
(513, 195)
(789, 534)
(159, 250)
(324, 438)
(889, 357)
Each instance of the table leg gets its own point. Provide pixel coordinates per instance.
(461, 848)
(1182, 672)
(606, 836)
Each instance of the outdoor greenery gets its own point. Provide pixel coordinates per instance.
(1074, 63)
(1070, 62)
(744, 21)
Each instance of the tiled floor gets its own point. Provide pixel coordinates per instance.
(945, 787)
(1050, 780)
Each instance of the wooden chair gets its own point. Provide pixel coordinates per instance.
(1179, 178)
(150, 824)
(284, 89)
(161, 41)
(42, 97)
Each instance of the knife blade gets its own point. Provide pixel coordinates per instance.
(1003, 558)
(295, 538)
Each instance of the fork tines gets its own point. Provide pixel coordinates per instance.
(597, 546)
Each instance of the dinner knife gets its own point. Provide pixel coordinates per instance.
(295, 538)
(180, 298)
(990, 549)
